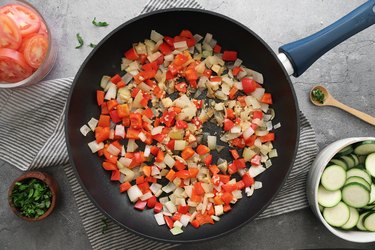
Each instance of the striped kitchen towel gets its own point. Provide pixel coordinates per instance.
(32, 136)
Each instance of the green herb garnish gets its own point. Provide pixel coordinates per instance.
(92, 45)
(80, 41)
(31, 197)
(105, 225)
(99, 24)
(318, 95)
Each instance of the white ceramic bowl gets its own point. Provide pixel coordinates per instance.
(313, 181)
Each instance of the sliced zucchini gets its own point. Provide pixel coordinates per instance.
(338, 215)
(365, 148)
(321, 208)
(328, 198)
(355, 158)
(345, 151)
(353, 219)
(359, 172)
(372, 194)
(355, 195)
(348, 160)
(369, 221)
(360, 225)
(360, 180)
(333, 177)
(370, 164)
(339, 162)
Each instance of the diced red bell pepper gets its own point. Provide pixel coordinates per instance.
(229, 55)
(169, 40)
(170, 144)
(267, 98)
(159, 137)
(131, 54)
(179, 165)
(228, 124)
(165, 49)
(229, 187)
(198, 189)
(183, 174)
(114, 116)
(217, 49)
(181, 87)
(208, 160)
(195, 223)
(202, 149)
(236, 70)
(158, 207)
(116, 78)
(234, 153)
(136, 120)
(204, 219)
(183, 209)
(140, 205)
(187, 153)
(168, 221)
(115, 175)
(214, 169)
(257, 114)
(255, 161)
(267, 138)
(227, 197)
(150, 66)
(132, 133)
(99, 97)
(181, 124)
(232, 169)
(102, 134)
(125, 186)
(248, 85)
(104, 121)
(186, 33)
(193, 172)
(109, 166)
(247, 180)
(240, 163)
(151, 202)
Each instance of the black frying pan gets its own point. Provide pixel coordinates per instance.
(256, 54)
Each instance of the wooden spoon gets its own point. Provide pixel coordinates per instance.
(330, 101)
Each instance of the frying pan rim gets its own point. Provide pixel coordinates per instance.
(82, 67)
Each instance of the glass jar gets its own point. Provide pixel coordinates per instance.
(27, 50)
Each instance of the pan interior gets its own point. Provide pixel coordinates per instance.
(106, 59)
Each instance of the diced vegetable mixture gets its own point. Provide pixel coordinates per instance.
(150, 131)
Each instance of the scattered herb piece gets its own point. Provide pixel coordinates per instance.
(318, 95)
(105, 225)
(99, 24)
(31, 197)
(80, 41)
(92, 45)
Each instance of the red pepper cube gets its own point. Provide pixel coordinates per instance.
(140, 205)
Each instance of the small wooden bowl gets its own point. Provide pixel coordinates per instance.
(44, 177)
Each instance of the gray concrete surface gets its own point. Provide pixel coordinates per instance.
(348, 71)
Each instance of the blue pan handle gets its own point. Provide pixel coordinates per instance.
(303, 53)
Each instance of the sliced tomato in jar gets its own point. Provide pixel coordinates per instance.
(13, 66)
(26, 19)
(10, 36)
(35, 50)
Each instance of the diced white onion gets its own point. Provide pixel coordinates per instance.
(176, 231)
(277, 125)
(247, 133)
(85, 130)
(268, 163)
(125, 161)
(155, 188)
(249, 190)
(95, 147)
(258, 185)
(182, 45)
(93, 123)
(146, 196)
(169, 58)
(169, 188)
(112, 91)
(255, 171)
(154, 56)
(219, 210)
(132, 146)
(155, 36)
(207, 38)
(159, 217)
(104, 82)
(179, 145)
(155, 170)
(134, 193)
(142, 136)
(235, 130)
(258, 93)
(177, 224)
(113, 150)
(169, 160)
(157, 130)
(120, 131)
(185, 219)
(215, 218)
(273, 153)
(211, 142)
(171, 207)
(147, 151)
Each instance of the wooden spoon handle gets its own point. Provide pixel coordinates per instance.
(363, 116)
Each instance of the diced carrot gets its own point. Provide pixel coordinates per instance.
(146, 170)
(193, 172)
(111, 104)
(109, 166)
(214, 169)
(202, 149)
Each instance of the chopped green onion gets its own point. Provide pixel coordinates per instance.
(80, 41)
(99, 24)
